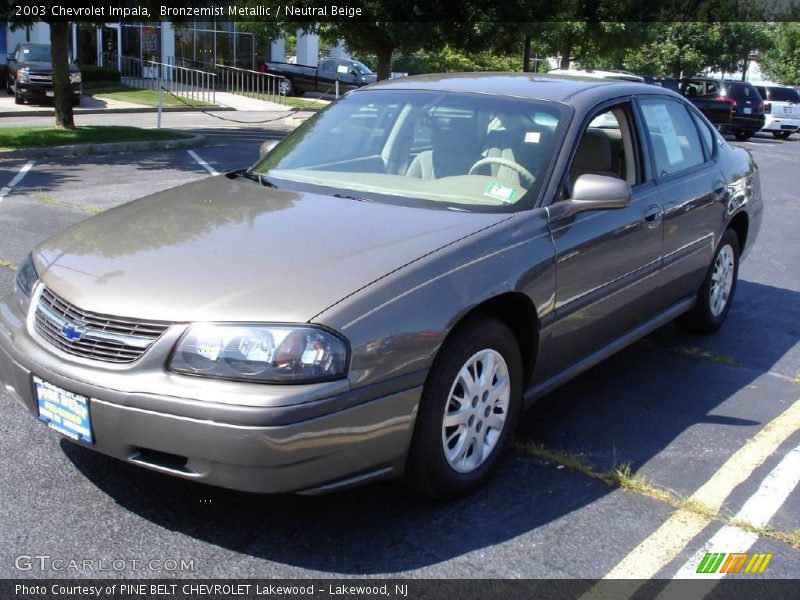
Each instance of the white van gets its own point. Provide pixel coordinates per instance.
(781, 109)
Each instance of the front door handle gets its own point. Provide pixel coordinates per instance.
(719, 190)
(652, 216)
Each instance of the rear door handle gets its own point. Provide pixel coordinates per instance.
(652, 216)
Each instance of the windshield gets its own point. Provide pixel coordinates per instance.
(362, 68)
(35, 53)
(455, 150)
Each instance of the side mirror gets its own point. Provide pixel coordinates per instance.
(9, 57)
(267, 147)
(594, 192)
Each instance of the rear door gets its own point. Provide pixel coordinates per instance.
(607, 260)
(691, 191)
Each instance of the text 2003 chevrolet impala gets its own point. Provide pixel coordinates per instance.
(386, 289)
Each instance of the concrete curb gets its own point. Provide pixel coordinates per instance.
(105, 111)
(79, 149)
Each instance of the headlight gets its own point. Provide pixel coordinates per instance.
(23, 75)
(74, 77)
(263, 353)
(24, 282)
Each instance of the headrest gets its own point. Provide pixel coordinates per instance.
(594, 153)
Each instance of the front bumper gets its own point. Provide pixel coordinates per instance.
(43, 91)
(311, 438)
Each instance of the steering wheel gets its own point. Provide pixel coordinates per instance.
(498, 160)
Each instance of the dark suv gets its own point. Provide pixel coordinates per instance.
(30, 75)
(733, 106)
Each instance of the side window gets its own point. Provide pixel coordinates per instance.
(675, 140)
(327, 66)
(706, 135)
(607, 147)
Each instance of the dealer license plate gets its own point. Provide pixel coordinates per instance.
(748, 111)
(64, 411)
(49, 94)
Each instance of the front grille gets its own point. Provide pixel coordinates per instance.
(40, 78)
(92, 335)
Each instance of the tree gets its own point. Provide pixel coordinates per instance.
(781, 62)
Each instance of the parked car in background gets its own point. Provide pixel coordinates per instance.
(733, 106)
(384, 291)
(30, 75)
(299, 79)
(598, 74)
(669, 83)
(781, 108)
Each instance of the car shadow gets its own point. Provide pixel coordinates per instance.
(627, 409)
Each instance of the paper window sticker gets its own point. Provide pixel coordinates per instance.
(532, 137)
(500, 192)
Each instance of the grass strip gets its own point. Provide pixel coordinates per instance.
(145, 97)
(14, 138)
(621, 475)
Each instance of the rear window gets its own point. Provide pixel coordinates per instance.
(741, 91)
(779, 94)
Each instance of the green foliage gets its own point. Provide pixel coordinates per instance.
(92, 74)
(781, 62)
(450, 60)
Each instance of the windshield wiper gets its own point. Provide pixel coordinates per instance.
(357, 198)
(255, 177)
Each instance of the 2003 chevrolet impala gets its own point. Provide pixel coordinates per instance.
(386, 289)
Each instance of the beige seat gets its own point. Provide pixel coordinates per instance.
(594, 156)
(511, 144)
(455, 148)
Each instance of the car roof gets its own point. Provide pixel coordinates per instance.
(557, 88)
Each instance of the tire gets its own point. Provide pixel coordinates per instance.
(742, 135)
(285, 87)
(445, 462)
(711, 309)
(18, 99)
(8, 86)
(781, 135)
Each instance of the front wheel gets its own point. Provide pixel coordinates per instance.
(781, 135)
(742, 135)
(468, 411)
(716, 294)
(18, 99)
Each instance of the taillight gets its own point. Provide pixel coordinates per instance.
(767, 107)
(730, 101)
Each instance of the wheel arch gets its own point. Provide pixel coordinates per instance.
(518, 312)
(740, 224)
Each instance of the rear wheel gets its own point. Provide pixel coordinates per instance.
(781, 135)
(285, 87)
(716, 294)
(742, 135)
(468, 411)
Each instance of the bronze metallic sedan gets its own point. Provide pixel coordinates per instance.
(386, 289)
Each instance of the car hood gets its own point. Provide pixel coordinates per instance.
(223, 249)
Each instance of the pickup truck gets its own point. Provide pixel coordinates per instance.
(30, 75)
(299, 79)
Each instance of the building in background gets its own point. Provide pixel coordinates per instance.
(198, 43)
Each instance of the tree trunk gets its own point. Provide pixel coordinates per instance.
(384, 62)
(744, 69)
(526, 54)
(59, 42)
(565, 57)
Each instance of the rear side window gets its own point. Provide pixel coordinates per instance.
(675, 139)
(779, 94)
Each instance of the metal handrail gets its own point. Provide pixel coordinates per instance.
(195, 84)
(255, 84)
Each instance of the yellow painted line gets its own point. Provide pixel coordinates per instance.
(666, 542)
(7, 264)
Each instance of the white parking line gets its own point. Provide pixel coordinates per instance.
(17, 178)
(202, 163)
(758, 510)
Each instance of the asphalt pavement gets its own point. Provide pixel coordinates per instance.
(687, 413)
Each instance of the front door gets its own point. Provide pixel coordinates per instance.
(607, 260)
